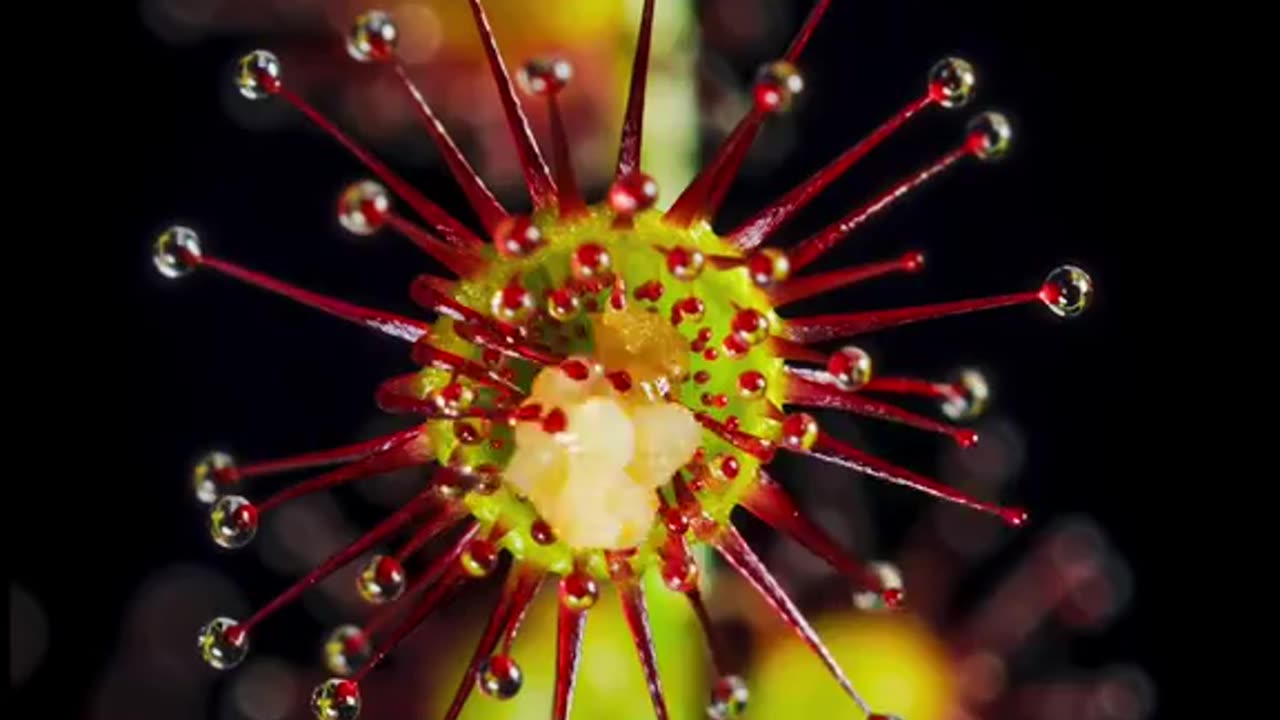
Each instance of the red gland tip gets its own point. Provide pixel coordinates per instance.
(1014, 517)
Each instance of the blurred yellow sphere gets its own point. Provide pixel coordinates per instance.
(893, 660)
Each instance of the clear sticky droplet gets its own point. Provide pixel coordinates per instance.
(951, 82)
(373, 37)
(346, 649)
(579, 590)
(990, 135)
(729, 696)
(1067, 291)
(336, 699)
(768, 267)
(382, 580)
(633, 193)
(850, 367)
(480, 558)
(211, 473)
(500, 677)
(777, 85)
(363, 207)
(223, 643)
(544, 76)
(799, 431)
(233, 521)
(891, 595)
(258, 75)
(176, 251)
(967, 396)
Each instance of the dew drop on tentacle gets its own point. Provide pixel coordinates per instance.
(685, 263)
(752, 384)
(768, 266)
(966, 396)
(233, 522)
(347, 649)
(892, 592)
(589, 261)
(777, 85)
(989, 136)
(372, 37)
(951, 82)
(500, 677)
(382, 580)
(850, 367)
(729, 696)
(336, 699)
(258, 75)
(544, 75)
(1067, 291)
(633, 193)
(799, 431)
(517, 236)
(223, 643)
(579, 590)
(176, 251)
(212, 472)
(480, 558)
(363, 207)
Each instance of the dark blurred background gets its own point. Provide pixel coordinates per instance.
(154, 372)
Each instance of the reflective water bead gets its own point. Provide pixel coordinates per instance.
(363, 207)
(382, 580)
(951, 82)
(517, 236)
(680, 573)
(990, 135)
(850, 367)
(776, 86)
(233, 521)
(336, 699)
(752, 384)
(589, 261)
(500, 677)
(1067, 291)
(799, 431)
(346, 649)
(223, 643)
(892, 593)
(562, 304)
(685, 263)
(480, 558)
(768, 266)
(544, 76)
(176, 251)
(751, 325)
(373, 37)
(633, 193)
(513, 303)
(542, 532)
(258, 76)
(729, 698)
(968, 395)
(578, 590)
(212, 471)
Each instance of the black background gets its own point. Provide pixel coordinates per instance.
(137, 375)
